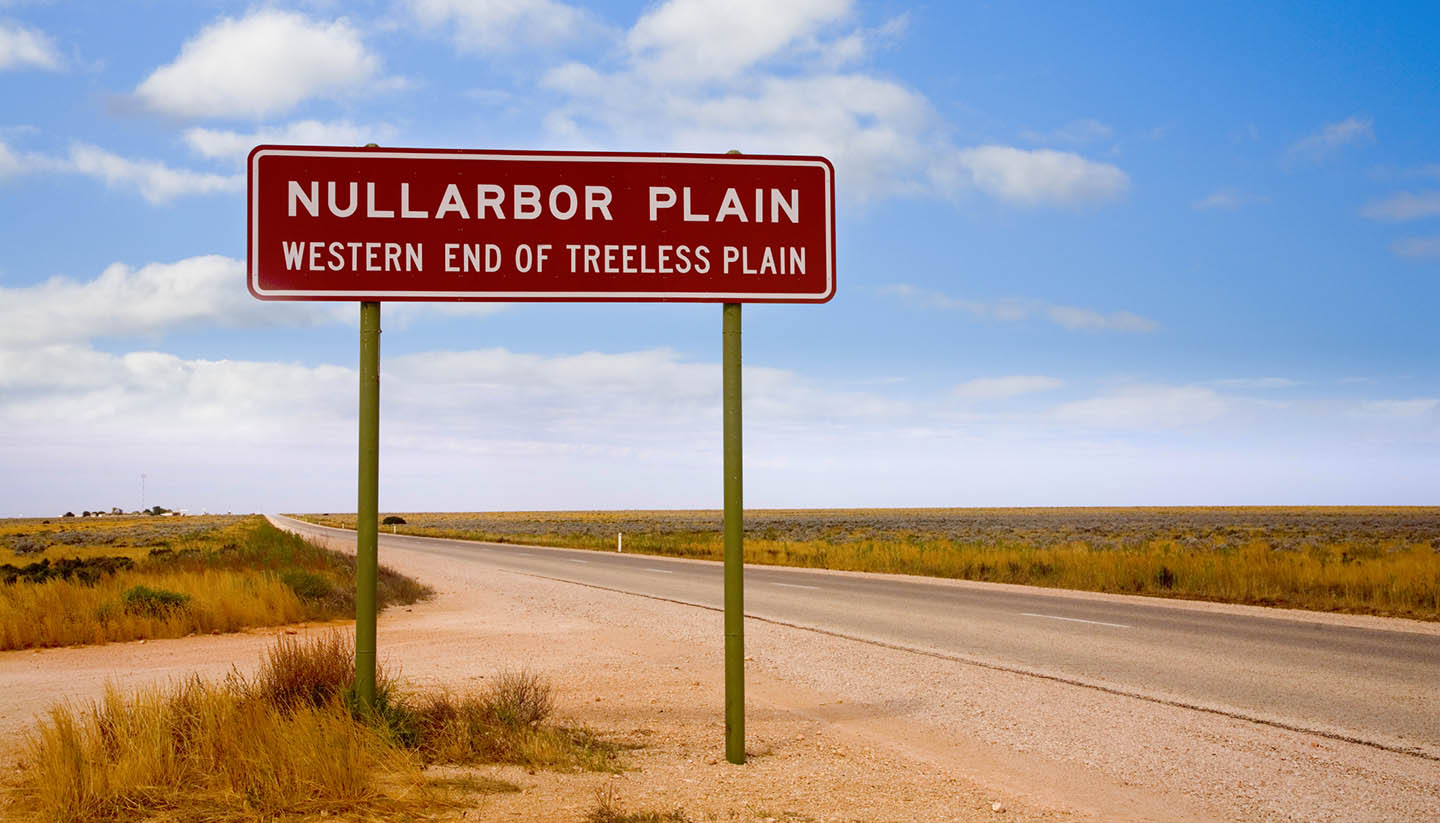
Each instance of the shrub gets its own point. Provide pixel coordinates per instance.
(312, 674)
(393, 520)
(308, 585)
(152, 602)
(520, 698)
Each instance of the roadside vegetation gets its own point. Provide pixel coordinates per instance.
(97, 580)
(1366, 560)
(291, 742)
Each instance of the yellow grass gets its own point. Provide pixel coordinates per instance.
(288, 744)
(217, 574)
(1373, 560)
(63, 612)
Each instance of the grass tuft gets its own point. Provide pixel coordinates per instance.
(286, 743)
(608, 810)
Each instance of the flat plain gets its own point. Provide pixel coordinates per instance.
(1355, 559)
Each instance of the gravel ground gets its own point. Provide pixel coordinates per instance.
(839, 730)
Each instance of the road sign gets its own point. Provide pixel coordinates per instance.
(373, 224)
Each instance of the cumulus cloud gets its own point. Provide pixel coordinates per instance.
(233, 145)
(692, 40)
(25, 48)
(1145, 407)
(999, 388)
(1042, 176)
(1331, 138)
(196, 292)
(129, 302)
(156, 182)
(501, 25)
(261, 64)
(1404, 205)
(769, 81)
(1015, 309)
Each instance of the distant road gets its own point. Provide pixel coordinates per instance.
(1370, 681)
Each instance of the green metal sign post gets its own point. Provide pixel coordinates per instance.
(367, 509)
(734, 540)
(637, 228)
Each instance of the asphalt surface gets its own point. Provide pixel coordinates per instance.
(1369, 684)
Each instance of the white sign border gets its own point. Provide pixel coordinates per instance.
(253, 272)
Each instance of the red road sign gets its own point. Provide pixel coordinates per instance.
(330, 223)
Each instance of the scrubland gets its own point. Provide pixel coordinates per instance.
(290, 742)
(101, 580)
(1366, 560)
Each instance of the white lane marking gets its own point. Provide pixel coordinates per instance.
(1076, 620)
(794, 586)
(659, 571)
(573, 560)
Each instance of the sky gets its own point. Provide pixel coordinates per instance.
(1087, 254)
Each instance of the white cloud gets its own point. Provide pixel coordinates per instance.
(261, 64)
(876, 132)
(1418, 248)
(1086, 130)
(233, 145)
(1144, 407)
(1259, 383)
(1227, 198)
(1404, 206)
(127, 302)
(1074, 317)
(1015, 309)
(1331, 138)
(693, 40)
(999, 388)
(10, 163)
(155, 181)
(1042, 176)
(23, 48)
(501, 25)
(763, 78)
(196, 292)
(1410, 409)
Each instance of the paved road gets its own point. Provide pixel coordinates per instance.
(1376, 685)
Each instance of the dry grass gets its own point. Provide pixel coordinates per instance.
(1368, 560)
(171, 577)
(608, 809)
(287, 743)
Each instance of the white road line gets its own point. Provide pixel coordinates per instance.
(659, 571)
(572, 560)
(1076, 620)
(794, 586)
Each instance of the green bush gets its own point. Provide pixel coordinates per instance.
(308, 585)
(153, 602)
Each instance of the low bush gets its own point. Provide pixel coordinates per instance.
(286, 743)
(152, 602)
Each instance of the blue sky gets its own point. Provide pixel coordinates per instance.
(1100, 254)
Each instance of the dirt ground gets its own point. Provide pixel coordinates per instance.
(650, 673)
